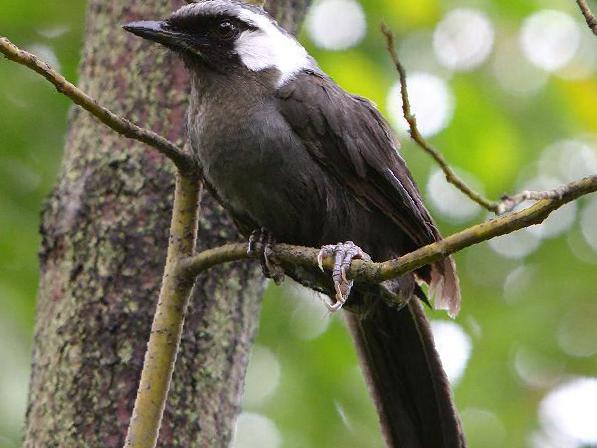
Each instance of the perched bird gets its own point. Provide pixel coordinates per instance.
(294, 157)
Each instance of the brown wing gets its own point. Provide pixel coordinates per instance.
(349, 137)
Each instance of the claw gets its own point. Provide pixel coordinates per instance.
(320, 260)
(343, 254)
(333, 307)
(325, 251)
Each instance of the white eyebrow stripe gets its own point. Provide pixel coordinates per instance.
(268, 46)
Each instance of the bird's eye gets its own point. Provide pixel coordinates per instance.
(226, 29)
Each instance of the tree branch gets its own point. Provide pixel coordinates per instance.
(168, 320)
(371, 272)
(501, 225)
(450, 174)
(589, 17)
(508, 203)
(181, 159)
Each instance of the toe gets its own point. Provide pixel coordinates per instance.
(343, 254)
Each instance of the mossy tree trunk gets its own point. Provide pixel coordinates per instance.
(104, 243)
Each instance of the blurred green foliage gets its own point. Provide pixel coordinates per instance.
(514, 309)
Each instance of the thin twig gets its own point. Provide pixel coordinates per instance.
(168, 320)
(589, 17)
(121, 125)
(371, 272)
(450, 174)
(508, 203)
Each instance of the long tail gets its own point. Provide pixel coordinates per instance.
(405, 377)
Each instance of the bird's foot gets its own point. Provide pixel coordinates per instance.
(343, 254)
(260, 244)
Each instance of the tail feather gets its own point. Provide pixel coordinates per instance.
(444, 286)
(405, 376)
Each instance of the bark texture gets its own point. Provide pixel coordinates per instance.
(104, 244)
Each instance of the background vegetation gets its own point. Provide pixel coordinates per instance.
(510, 106)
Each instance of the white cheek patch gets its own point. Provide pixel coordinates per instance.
(269, 47)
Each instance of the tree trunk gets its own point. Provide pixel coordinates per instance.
(104, 243)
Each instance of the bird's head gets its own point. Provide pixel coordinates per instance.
(226, 36)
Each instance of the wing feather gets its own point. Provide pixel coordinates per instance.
(349, 137)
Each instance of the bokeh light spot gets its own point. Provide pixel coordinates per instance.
(14, 380)
(577, 332)
(536, 370)
(584, 62)
(255, 431)
(47, 54)
(450, 201)
(513, 71)
(416, 53)
(580, 248)
(54, 31)
(431, 101)
(463, 39)
(569, 411)
(483, 428)
(588, 223)
(569, 159)
(263, 376)
(336, 24)
(518, 244)
(558, 221)
(485, 268)
(310, 318)
(518, 283)
(550, 39)
(454, 347)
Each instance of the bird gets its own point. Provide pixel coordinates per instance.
(296, 159)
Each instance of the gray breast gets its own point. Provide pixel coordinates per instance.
(258, 166)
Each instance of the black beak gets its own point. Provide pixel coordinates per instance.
(156, 31)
